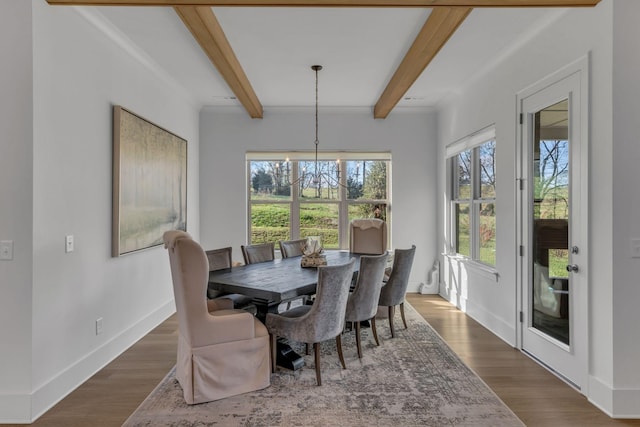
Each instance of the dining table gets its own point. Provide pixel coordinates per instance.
(271, 283)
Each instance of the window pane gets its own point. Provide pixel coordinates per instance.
(368, 210)
(486, 154)
(487, 238)
(462, 228)
(269, 223)
(319, 180)
(463, 176)
(320, 219)
(270, 180)
(366, 179)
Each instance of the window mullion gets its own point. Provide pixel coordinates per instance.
(294, 217)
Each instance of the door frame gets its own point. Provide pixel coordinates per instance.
(580, 307)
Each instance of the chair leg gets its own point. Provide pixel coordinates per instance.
(373, 329)
(273, 353)
(402, 314)
(316, 348)
(339, 347)
(306, 348)
(392, 312)
(358, 345)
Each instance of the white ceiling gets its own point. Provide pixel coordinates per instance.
(359, 49)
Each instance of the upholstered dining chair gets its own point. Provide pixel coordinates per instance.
(221, 352)
(322, 321)
(220, 259)
(258, 253)
(368, 236)
(393, 292)
(363, 301)
(291, 248)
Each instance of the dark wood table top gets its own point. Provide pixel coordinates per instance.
(275, 281)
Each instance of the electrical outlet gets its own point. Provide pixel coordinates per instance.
(99, 326)
(68, 244)
(635, 248)
(6, 250)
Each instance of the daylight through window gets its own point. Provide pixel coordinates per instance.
(473, 196)
(292, 197)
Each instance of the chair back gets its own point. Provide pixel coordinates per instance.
(363, 301)
(291, 248)
(368, 236)
(394, 291)
(190, 274)
(327, 313)
(253, 254)
(219, 259)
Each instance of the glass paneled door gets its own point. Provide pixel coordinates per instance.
(553, 237)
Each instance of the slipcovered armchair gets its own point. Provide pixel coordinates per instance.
(363, 301)
(368, 236)
(221, 352)
(319, 322)
(393, 292)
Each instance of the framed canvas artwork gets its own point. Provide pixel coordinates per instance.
(149, 183)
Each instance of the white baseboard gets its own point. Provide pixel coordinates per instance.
(26, 408)
(498, 326)
(617, 403)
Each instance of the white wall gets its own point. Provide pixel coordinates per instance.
(614, 381)
(16, 208)
(226, 135)
(79, 72)
(626, 204)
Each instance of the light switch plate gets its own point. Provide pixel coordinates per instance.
(6, 250)
(68, 244)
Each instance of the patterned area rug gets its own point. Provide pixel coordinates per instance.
(414, 379)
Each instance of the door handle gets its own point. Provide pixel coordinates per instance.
(572, 268)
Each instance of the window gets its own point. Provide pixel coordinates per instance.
(473, 196)
(287, 201)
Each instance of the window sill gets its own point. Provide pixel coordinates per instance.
(478, 267)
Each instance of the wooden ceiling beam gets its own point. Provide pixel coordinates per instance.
(207, 31)
(334, 3)
(435, 32)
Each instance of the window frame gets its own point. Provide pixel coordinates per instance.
(342, 201)
(471, 144)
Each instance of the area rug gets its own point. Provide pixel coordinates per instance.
(414, 379)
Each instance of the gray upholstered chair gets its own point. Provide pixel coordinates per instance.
(263, 252)
(363, 301)
(220, 259)
(322, 321)
(291, 248)
(393, 292)
(368, 236)
(221, 352)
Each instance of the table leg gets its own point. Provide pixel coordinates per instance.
(286, 357)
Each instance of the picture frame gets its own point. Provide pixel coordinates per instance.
(149, 183)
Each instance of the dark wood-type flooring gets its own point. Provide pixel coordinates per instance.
(535, 395)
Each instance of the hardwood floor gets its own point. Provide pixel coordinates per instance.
(535, 395)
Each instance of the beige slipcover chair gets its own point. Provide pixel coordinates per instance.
(393, 292)
(362, 304)
(221, 352)
(368, 236)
